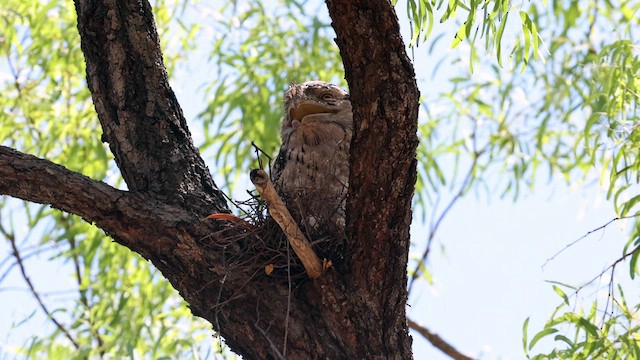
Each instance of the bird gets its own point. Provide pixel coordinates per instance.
(311, 170)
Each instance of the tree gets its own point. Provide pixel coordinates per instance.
(170, 190)
(354, 313)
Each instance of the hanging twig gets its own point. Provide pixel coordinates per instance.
(281, 215)
(602, 227)
(36, 295)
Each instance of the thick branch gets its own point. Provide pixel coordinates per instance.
(190, 254)
(174, 239)
(36, 180)
(140, 116)
(385, 96)
(121, 214)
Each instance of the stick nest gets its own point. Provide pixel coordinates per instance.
(255, 244)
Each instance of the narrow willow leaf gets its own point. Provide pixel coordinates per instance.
(633, 264)
(588, 327)
(498, 38)
(561, 293)
(525, 336)
(540, 335)
(459, 37)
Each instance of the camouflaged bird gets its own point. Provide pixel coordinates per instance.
(311, 172)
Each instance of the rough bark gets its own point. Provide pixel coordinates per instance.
(384, 95)
(140, 116)
(356, 314)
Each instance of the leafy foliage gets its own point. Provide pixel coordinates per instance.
(571, 114)
(588, 335)
(264, 48)
(576, 116)
(484, 19)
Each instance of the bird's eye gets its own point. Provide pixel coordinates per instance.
(327, 96)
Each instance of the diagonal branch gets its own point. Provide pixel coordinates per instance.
(601, 227)
(122, 214)
(36, 180)
(281, 215)
(139, 113)
(435, 226)
(438, 342)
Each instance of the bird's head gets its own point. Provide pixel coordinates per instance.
(316, 101)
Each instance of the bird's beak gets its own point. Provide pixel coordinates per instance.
(301, 110)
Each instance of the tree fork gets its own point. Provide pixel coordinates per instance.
(357, 314)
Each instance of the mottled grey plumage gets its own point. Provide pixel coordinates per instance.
(311, 172)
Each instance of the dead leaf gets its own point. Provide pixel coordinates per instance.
(268, 269)
(232, 218)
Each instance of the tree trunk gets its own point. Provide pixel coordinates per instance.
(355, 313)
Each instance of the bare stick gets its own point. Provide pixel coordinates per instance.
(438, 342)
(602, 227)
(281, 215)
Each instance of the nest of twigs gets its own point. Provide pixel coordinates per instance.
(254, 243)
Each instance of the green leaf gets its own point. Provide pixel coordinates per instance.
(561, 293)
(498, 38)
(588, 326)
(460, 36)
(540, 335)
(525, 336)
(633, 264)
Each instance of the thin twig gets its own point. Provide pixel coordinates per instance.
(266, 335)
(584, 236)
(610, 296)
(273, 346)
(281, 215)
(36, 295)
(23, 255)
(610, 267)
(286, 320)
(438, 342)
(217, 319)
(258, 152)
